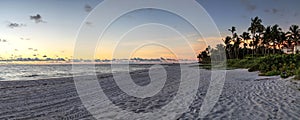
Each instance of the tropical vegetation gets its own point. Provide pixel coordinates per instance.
(260, 48)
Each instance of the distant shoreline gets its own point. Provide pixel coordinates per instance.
(21, 72)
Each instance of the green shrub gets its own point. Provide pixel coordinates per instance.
(254, 68)
(274, 67)
(263, 67)
(283, 65)
(297, 74)
(272, 73)
(284, 75)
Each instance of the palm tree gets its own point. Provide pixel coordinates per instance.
(294, 34)
(232, 30)
(251, 45)
(275, 36)
(282, 39)
(256, 28)
(236, 45)
(227, 42)
(234, 35)
(256, 43)
(289, 41)
(245, 36)
(237, 41)
(267, 38)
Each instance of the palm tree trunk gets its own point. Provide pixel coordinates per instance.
(237, 53)
(295, 48)
(252, 51)
(274, 48)
(264, 51)
(244, 52)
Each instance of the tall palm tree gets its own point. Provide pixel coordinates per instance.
(289, 41)
(233, 39)
(236, 45)
(294, 34)
(227, 42)
(245, 36)
(275, 35)
(232, 30)
(256, 43)
(267, 36)
(256, 28)
(282, 39)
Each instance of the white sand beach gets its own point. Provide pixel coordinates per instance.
(245, 96)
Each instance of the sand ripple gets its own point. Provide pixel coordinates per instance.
(245, 96)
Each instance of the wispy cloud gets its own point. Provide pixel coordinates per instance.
(275, 11)
(15, 25)
(88, 23)
(88, 8)
(3, 40)
(249, 5)
(208, 39)
(37, 18)
(25, 38)
(267, 11)
(296, 14)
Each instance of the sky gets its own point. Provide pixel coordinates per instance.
(35, 28)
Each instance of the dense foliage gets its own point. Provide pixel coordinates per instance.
(283, 65)
(297, 75)
(260, 49)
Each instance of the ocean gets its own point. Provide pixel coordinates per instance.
(9, 72)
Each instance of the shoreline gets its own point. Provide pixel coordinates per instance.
(66, 71)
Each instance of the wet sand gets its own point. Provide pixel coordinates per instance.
(245, 96)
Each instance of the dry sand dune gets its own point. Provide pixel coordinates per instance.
(245, 96)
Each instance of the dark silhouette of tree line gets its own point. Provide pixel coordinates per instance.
(259, 40)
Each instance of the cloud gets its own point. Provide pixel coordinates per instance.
(15, 25)
(296, 14)
(275, 11)
(89, 23)
(267, 11)
(249, 5)
(37, 18)
(209, 39)
(244, 16)
(3, 40)
(88, 8)
(25, 38)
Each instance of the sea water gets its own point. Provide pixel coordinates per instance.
(38, 71)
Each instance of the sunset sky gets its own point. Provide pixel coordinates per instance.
(49, 27)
